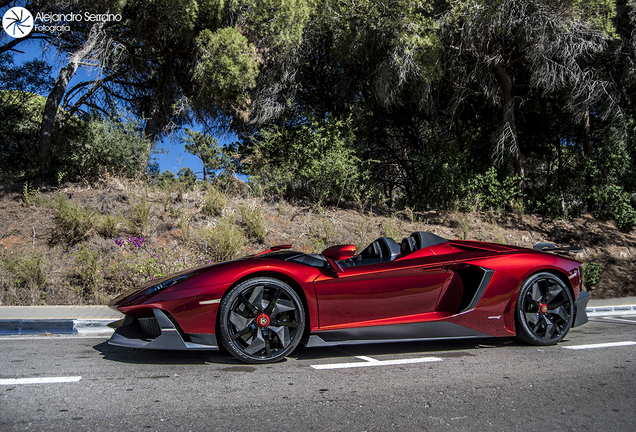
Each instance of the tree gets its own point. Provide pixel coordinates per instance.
(311, 159)
(115, 144)
(169, 61)
(95, 42)
(200, 59)
(206, 148)
(187, 177)
(508, 51)
(21, 112)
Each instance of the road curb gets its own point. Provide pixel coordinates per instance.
(610, 310)
(55, 326)
(100, 326)
(93, 326)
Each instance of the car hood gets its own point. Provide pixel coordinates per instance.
(191, 273)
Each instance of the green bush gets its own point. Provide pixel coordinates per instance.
(107, 226)
(23, 279)
(73, 223)
(464, 226)
(322, 234)
(89, 270)
(611, 200)
(222, 242)
(138, 263)
(592, 274)
(138, 217)
(314, 160)
(611, 175)
(487, 192)
(184, 224)
(30, 195)
(392, 228)
(254, 220)
(87, 149)
(213, 203)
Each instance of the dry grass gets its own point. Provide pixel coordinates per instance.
(61, 248)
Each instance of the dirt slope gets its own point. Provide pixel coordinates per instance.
(38, 266)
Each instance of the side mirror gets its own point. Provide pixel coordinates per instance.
(337, 253)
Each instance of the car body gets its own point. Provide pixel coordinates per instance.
(261, 307)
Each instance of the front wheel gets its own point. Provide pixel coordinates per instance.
(545, 310)
(261, 320)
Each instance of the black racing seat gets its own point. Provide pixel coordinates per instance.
(380, 250)
(426, 239)
(409, 245)
(419, 240)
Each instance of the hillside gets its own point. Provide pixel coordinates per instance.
(83, 244)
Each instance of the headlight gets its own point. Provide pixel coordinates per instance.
(165, 284)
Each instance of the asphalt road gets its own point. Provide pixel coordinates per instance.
(487, 384)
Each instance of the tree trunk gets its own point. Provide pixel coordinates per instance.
(55, 97)
(588, 154)
(161, 102)
(509, 118)
(587, 140)
(151, 130)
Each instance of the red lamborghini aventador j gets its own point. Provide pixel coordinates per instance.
(259, 308)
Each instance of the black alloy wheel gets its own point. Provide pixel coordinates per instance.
(261, 320)
(545, 310)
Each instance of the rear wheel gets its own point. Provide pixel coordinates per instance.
(261, 320)
(545, 310)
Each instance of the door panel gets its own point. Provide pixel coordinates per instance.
(378, 291)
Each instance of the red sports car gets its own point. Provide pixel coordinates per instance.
(261, 307)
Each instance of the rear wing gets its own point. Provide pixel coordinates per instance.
(549, 247)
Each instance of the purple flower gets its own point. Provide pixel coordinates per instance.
(135, 241)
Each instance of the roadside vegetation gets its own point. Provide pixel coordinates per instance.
(84, 243)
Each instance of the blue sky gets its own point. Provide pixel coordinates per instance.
(173, 155)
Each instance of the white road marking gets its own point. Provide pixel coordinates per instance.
(373, 362)
(619, 320)
(367, 359)
(601, 345)
(42, 380)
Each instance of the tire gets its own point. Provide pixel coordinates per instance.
(545, 310)
(261, 320)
